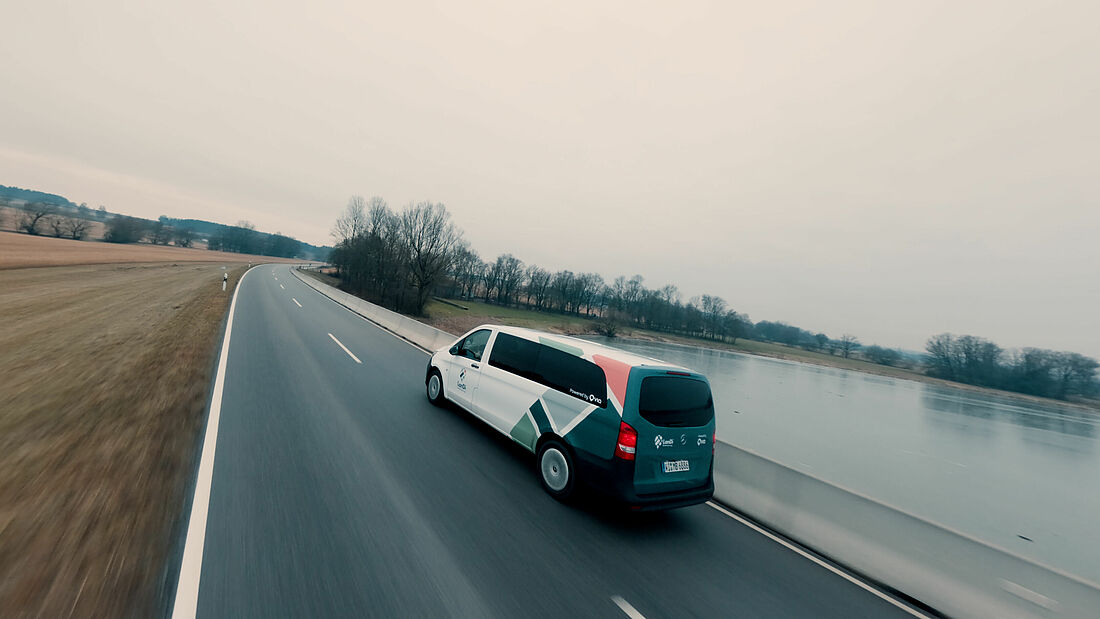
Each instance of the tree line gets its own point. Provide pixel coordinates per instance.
(1036, 371)
(400, 259)
(242, 238)
(48, 218)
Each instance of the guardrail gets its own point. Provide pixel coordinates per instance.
(424, 336)
(950, 571)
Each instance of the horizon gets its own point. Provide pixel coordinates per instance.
(877, 171)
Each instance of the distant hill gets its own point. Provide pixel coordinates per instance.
(30, 195)
(217, 236)
(224, 237)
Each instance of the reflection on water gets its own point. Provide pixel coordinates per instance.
(1066, 420)
(995, 467)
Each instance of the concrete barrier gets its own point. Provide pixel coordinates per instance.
(955, 573)
(424, 336)
(950, 571)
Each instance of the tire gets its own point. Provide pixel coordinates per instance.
(434, 384)
(556, 470)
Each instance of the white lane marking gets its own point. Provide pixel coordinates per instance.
(187, 587)
(852, 579)
(1024, 593)
(627, 609)
(296, 302)
(375, 324)
(341, 345)
(282, 286)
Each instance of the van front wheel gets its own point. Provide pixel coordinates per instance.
(556, 470)
(435, 388)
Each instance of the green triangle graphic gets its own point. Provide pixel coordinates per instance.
(524, 432)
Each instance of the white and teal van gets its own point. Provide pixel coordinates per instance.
(636, 428)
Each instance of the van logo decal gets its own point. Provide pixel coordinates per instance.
(462, 379)
(683, 439)
(701, 440)
(660, 441)
(586, 397)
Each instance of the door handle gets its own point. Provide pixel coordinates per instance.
(475, 366)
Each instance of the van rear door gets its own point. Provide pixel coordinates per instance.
(673, 413)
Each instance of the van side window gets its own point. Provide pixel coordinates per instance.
(551, 367)
(516, 355)
(473, 347)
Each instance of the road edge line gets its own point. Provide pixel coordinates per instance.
(794, 547)
(186, 600)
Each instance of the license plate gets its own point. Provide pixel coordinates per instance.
(676, 466)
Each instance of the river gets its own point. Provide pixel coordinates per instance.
(1021, 475)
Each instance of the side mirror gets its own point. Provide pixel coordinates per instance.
(453, 350)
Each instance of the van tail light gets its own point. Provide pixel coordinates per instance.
(627, 443)
(713, 442)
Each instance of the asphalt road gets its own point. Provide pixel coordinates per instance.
(338, 490)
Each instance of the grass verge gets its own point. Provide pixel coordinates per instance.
(103, 377)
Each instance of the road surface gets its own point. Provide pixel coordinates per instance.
(337, 490)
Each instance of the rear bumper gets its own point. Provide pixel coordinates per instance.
(615, 479)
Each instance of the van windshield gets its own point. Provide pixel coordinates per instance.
(675, 401)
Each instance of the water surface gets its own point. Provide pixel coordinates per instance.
(997, 468)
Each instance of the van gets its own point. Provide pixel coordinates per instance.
(637, 429)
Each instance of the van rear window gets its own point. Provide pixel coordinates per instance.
(675, 401)
(551, 367)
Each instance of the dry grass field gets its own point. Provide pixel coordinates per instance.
(18, 251)
(104, 371)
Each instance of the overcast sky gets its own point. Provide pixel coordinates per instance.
(888, 169)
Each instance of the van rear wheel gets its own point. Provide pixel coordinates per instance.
(556, 471)
(435, 388)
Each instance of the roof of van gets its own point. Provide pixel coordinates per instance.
(587, 348)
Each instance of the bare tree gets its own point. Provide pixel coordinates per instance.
(561, 286)
(847, 344)
(57, 225)
(76, 227)
(714, 312)
(161, 233)
(882, 355)
(36, 214)
(735, 326)
(353, 222)
(508, 274)
(123, 229)
(588, 287)
(670, 294)
(1074, 373)
(538, 286)
(430, 238)
(185, 237)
